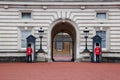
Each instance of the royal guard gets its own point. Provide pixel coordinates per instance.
(29, 53)
(97, 52)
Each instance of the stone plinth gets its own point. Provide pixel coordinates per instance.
(85, 57)
(41, 57)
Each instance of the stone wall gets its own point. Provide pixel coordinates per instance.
(62, 0)
(46, 16)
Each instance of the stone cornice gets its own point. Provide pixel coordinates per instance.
(60, 3)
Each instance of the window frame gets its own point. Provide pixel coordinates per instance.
(22, 16)
(101, 11)
(102, 38)
(101, 18)
(58, 49)
(107, 29)
(19, 36)
(23, 39)
(26, 11)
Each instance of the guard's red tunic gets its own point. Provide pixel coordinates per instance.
(97, 50)
(29, 51)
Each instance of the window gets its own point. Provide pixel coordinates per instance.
(59, 46)
(24, 35)
(26, 15)
(102, 34)
(101, 16)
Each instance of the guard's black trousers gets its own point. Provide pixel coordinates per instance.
(29, 58)
(97, 58)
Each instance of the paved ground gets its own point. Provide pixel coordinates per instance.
(60, 71)
(62, 57)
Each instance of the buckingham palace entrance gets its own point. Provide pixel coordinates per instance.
(63, 42)
(62, 47)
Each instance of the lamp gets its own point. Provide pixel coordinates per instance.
(86, 31)
(41, 31)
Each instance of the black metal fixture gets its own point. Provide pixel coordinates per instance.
(41, 31)
(86, 31)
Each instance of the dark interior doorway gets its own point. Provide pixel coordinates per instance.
(63, 42)
(62, 47)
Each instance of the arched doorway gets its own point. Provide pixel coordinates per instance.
(63, 42)
(62, 47)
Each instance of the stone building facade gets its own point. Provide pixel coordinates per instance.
(20, 18)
